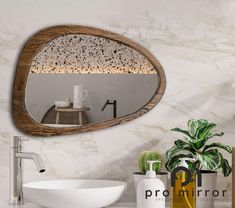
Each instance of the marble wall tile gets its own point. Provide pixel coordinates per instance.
(193, 40)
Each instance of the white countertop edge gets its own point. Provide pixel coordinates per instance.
(117, 205)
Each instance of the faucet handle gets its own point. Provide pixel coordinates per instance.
(16, 141)
(22, 139)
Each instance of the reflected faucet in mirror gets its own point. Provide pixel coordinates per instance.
(114, 104)
(16, 169)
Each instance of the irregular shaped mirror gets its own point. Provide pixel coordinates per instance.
(75, 79)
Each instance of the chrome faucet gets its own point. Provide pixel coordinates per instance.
(16, 170)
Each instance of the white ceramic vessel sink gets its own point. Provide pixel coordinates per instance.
(74, 193)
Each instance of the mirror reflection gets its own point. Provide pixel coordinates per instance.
(77, 80)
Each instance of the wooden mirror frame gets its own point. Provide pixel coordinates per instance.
(21, 117)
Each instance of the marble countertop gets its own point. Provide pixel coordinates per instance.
(117, 205)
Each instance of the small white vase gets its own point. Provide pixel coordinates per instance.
(204, 200)
(79, 95)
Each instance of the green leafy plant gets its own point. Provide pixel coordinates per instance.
(149, 155)
(194, 145)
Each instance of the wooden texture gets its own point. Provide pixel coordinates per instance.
(65, 118)
(72, 109)
(22, 118)
(80, 111)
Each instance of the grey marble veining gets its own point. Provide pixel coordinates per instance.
(193, 40)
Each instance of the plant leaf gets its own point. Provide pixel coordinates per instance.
(211, 159)
(197, 164)
(201, 136)
(180, 145)
(194, 124)
(172, 163)
(182, 131)
(192, 165)
(219, 145)
(215, 134)
(185, 145)
(226, 168)
(172, 152)
(204, 130)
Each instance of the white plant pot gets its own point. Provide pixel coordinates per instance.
(163, 176)
(209, 179)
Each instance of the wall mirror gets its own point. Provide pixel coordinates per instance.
(72, 79)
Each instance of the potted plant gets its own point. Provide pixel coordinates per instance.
(143, 166)
(207, 157)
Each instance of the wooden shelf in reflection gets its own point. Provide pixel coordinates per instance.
(82, 117)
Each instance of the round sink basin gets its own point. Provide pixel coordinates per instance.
(74, 193)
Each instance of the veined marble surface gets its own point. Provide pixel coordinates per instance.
(193, 40)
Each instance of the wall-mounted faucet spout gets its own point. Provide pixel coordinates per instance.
(16, 169)
(114, 104)
(35, 157)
